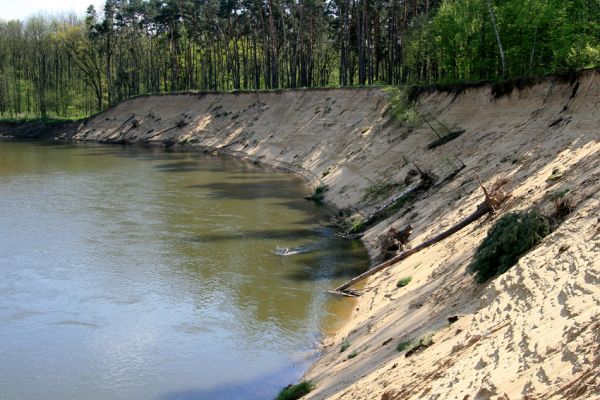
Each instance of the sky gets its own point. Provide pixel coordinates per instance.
(21, 9)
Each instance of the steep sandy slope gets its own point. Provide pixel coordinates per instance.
(531, 333)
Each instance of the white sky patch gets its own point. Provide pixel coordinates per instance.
(21, 9)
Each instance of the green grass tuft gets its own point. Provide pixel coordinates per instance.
(404, 281)
(319, 194)
(398, 204)
(378, 190)
(294, 392)
(345, 345)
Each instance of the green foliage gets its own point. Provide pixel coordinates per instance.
(69, 67)
(511, 236)
(319, 193)
(405, 345)
(538, 36)
(560, 194)
(404, 281)
(401, 108)
(426, 340)
(357, 225)
(557, 175)
(294, 392)
(398, 204)
(47, 121)
(378, 190)
(345, 345)
(413, 345)
(352, 355)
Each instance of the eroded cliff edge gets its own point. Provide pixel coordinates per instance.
(532, 332)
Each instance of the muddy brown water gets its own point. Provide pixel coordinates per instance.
(135, 273)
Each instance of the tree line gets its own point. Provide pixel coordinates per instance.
(71, 66)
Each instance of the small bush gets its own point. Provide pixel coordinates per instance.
(319, 194)
(401, 107)
(404, 281)
(426, 340)
(352, 355)
(294, 392)
(405, 345)
(345, 345)
(509, 238)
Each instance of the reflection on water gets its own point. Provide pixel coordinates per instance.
(133, 273)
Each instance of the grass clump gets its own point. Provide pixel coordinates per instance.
(378, 189)
(357, 225)
(509, 238)
(404, 281)
(557, 175)
(294, 392)
(405, 345)
(345, 345)
(352, 355)
(319, 194)
(413, 346)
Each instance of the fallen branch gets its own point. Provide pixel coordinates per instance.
(122, 125)
(491, 202)
(425, 183)
(161, 132)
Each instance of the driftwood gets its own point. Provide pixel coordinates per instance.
(160, 132)
(380, 211)
(122, 125)
(426, 181)
(492, 200)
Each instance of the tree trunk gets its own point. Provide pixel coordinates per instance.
(497, 33)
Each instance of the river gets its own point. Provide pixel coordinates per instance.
(135, 273)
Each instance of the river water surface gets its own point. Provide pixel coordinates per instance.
(133, 273)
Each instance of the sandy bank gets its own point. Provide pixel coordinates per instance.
(531, 333)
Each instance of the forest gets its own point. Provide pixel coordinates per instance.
(71, 66)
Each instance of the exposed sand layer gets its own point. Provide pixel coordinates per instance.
(533, 332)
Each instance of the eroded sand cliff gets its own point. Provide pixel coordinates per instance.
(533, 332)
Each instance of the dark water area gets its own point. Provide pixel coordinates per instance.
(134, 273)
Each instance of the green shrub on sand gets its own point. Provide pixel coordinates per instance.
(294, 392)
(509, 238)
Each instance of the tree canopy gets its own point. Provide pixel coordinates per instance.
(71, 66)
